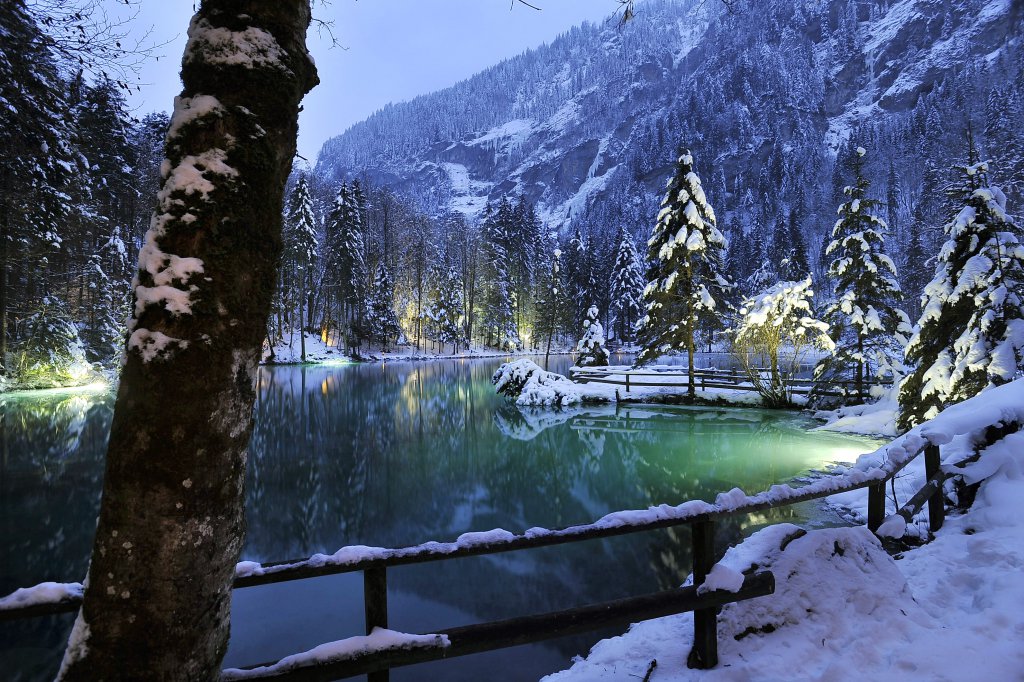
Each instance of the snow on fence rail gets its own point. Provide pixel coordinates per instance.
(999, 408)
(673, 376)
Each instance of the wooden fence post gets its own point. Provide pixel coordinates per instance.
(876, 506)
(704, 654)
(627, 381)
(936, 504)
(375, 604)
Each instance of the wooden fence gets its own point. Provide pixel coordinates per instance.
(502, 634)
(705, 379)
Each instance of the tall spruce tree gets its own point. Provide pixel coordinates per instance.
(381, 321)
(687, 285)
(627, 288)
(579, 278)
(346, 267)
(300, 254)
(446, 305)
(971, 332)
(551, 304)
(868, 330)
(37, 160)
(499, 315)
(793, 262)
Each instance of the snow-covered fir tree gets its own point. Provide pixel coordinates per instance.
(499, 314)
(868, 330)
(772, 322)
(104, 331)
(579, 274)
(971, 332)
(381, 321)
(792, 248)
(626, 290)
(687, 285)
(591, 349)
(345, 265)
(446, 306)
(551, 304)
(38, 161)
(298, 262)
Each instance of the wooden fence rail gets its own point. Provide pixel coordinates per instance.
(489, 636)
(724, 379)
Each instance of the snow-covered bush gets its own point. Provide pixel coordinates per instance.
(592, 352)
(777, 319)
(51, 354)
(532, 386)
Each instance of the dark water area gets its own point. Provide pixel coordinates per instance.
(396, 454)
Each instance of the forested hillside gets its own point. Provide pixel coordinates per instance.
(499, 211)
(78, 181)
(771, 99)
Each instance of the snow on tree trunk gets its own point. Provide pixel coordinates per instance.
(592, 352)
(171, 526)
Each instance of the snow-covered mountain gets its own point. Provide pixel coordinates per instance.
(764, 96)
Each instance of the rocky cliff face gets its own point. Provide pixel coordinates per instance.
(765, 97)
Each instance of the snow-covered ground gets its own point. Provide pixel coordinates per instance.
(289, 352)
(536, 388)
(843, 608)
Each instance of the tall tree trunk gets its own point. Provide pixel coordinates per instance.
(4, 289)
(691, 385)
(860, 367)
(302, 325)
(171, 525)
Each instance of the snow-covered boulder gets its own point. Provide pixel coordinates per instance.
(530, 385)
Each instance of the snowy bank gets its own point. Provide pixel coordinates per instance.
(532, 386)
(844, 609)
(288, 351)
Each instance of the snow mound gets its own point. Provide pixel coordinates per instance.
(825, 576)
(830, 584)
(530, 385)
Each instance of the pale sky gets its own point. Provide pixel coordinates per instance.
(396, 49)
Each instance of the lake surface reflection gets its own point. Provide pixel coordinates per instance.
(397, 454)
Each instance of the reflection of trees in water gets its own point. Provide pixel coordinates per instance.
(402, 453)
(51, 469)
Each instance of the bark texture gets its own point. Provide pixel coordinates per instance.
(157, 600)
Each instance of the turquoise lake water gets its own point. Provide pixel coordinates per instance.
(396, 454)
